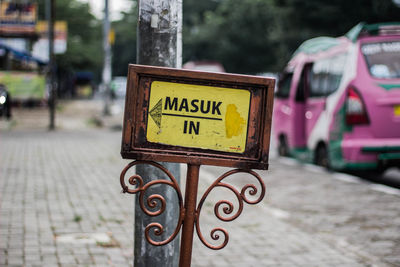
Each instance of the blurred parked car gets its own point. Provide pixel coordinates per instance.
(83, 84)
(5, 102)
(210, 66)
(338, 100)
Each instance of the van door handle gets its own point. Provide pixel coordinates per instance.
(309, 115)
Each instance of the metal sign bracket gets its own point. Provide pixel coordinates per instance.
(189, 215)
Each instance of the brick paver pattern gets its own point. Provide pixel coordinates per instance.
(67, 182)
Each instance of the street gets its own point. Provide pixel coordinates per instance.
(390, 177)
(61, 204)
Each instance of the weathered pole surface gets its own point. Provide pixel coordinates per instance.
(107, 59)
(50, 5)
(158, 44)
(160, 33)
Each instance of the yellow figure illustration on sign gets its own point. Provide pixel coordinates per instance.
(234, 123)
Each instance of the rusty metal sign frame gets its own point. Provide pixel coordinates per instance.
(136, 146)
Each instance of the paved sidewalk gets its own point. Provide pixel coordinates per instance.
(59, 189)
(61, 183)
(262, 237)
(53, 184)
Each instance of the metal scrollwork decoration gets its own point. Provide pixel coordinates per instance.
(227, 207)
(224, 210)
(155, 202)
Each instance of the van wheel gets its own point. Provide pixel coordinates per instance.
(283, 149)
(321, 156)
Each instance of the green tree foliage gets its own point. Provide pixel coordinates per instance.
(251, 36)
(246, 36)
(334, 17)
(312, 18)
(124, 48)
(238, 33)
(84, 46)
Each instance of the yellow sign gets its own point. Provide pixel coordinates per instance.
(397, 110)
(198, 116)
(111, 37)
(60, 29)
(17, 18)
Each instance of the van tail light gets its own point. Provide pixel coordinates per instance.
(356, 112)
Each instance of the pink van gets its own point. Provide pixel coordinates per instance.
(338, 100)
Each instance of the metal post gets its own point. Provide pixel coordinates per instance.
(107, 60)
(159, 33)
(51, 70)
(159, 30)
(192, 181)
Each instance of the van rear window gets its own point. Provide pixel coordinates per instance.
(326, 74)
(383, 59)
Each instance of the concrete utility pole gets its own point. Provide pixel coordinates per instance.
(159, 43)
(50, 12)
(107, 60)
